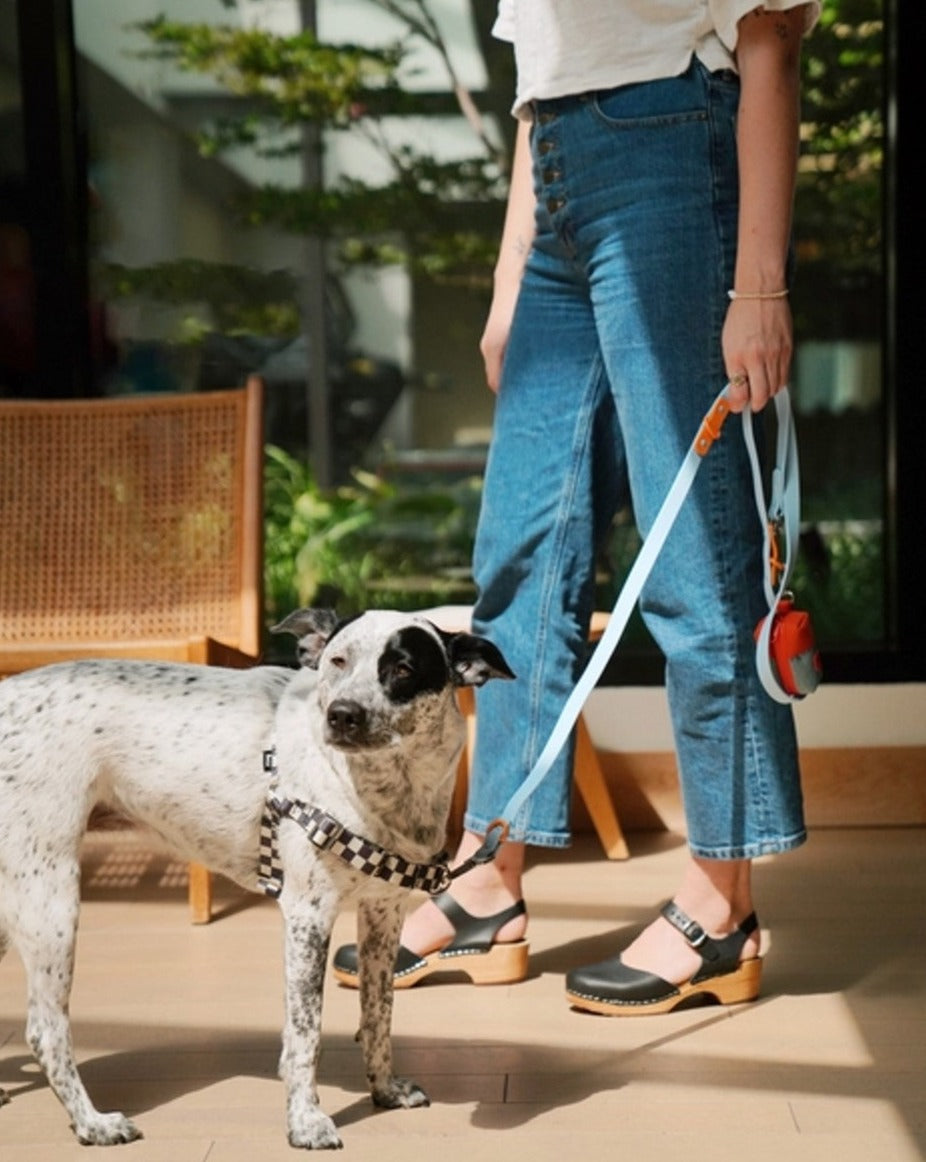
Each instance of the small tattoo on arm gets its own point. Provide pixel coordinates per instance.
(781, 26)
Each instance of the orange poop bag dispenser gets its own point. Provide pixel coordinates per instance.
(793, 651)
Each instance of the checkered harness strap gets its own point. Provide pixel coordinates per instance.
(327, 834)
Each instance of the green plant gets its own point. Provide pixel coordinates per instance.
(372, 544)
(838, 577)
(379, 544)
(838, 211)
(438, 217)
(237, 300)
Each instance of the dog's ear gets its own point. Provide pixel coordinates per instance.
(312, 629)
(474, 660)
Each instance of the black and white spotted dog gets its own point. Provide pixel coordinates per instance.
(366, 738)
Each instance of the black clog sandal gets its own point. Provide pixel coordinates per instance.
(472, 950)
(613, 989)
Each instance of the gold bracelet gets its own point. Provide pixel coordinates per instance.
(733, 295)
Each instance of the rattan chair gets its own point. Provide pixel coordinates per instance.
(132, 527)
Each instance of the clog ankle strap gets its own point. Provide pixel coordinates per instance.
(718, 954)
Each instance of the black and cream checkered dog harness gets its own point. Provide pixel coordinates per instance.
(327, 834)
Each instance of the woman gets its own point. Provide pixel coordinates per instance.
(643, 264)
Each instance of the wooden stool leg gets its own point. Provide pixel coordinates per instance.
(592, 787)
(200, 894)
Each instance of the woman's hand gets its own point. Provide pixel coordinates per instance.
(495, 335)
(757, 349)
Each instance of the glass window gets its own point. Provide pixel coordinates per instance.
(374, 377)
(838, 295)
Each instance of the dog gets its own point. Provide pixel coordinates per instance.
(366, 730)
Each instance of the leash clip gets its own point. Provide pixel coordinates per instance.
(777, 568)
(496, 834)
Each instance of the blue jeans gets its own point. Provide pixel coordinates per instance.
(613, 358)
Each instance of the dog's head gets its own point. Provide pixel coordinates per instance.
(385, 675)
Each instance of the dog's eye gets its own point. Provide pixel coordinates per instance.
(402, 670)
(338, 662)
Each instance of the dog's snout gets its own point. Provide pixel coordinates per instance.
(346, 718)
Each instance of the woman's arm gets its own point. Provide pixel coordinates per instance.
(517, 236)
(757, 336)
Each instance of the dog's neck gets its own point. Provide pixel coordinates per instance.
(400, 801)
(408, 799)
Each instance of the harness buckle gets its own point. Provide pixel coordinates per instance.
(326, 830)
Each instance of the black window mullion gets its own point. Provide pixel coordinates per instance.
(56, 196)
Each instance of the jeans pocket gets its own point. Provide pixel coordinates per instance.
(654, 104)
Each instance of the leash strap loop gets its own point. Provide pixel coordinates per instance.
(781, 518)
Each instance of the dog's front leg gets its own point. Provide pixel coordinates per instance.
(379, 923)
(308, 921)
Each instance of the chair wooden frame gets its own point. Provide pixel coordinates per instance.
(133, 528)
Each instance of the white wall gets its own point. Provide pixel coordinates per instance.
(636, 719)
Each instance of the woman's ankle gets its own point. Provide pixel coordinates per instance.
(499, 878)
(716, 894)
(483, 890)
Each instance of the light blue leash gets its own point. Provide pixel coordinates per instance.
(784, 511)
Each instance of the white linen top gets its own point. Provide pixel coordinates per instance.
(564, 47)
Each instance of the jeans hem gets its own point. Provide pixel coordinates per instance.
(750, 850)
(549, 839)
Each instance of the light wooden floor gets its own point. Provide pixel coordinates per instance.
(179, 1026)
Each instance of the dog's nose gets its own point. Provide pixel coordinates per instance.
(346, 718)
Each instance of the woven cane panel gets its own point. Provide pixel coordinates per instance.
(120, 519)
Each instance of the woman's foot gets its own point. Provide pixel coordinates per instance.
(485, 890)
(675, 957)
(473, 950)
(478, 928)
(663, 949)
(723, 974)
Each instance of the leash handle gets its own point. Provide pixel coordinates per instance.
(781, 519)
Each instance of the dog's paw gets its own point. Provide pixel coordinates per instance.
(314, 1131)
(400, 1094)
(106, 1130)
